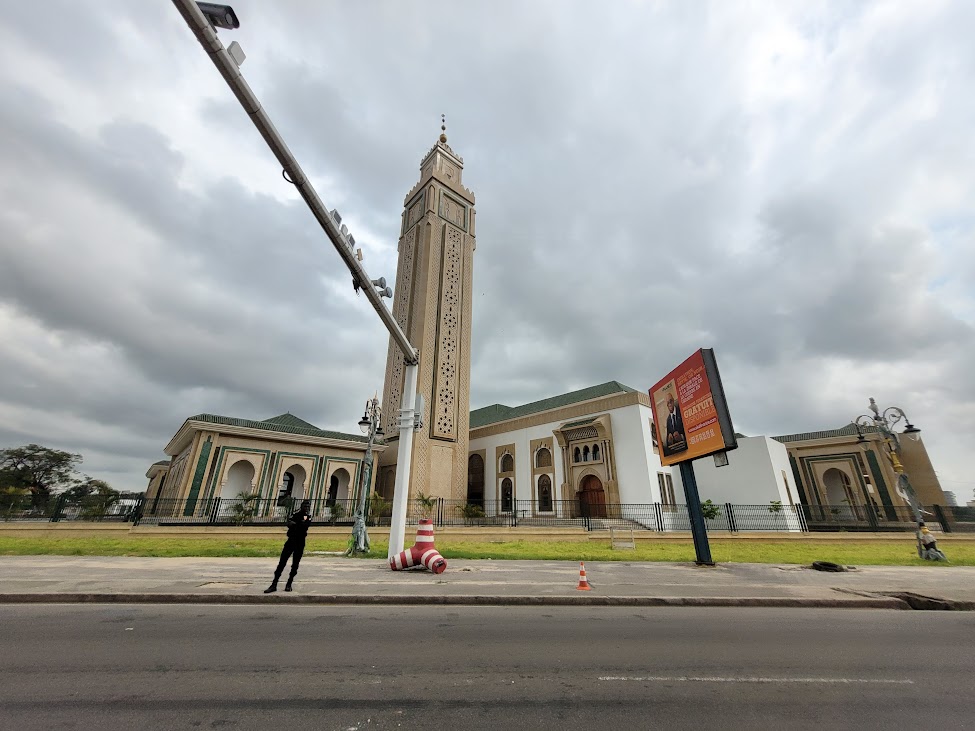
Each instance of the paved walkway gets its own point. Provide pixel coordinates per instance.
(328, 579)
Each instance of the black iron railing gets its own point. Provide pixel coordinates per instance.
(730, 517)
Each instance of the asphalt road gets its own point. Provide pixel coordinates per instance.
(239, 667)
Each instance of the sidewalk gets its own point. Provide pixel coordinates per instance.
(328, 579)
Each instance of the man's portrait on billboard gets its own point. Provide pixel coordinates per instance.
(669, 417)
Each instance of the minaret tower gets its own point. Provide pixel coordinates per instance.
(432, 303)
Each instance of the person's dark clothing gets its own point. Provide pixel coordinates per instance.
(298, 525)
(294, 547)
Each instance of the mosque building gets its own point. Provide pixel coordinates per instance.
(583, 453)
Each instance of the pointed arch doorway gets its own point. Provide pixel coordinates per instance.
(592, 497)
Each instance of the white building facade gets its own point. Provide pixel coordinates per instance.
(576, 454)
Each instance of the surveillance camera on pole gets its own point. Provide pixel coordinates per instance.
(220, 16)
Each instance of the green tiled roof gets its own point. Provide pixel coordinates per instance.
(290, 419)
(286, 424)
(499, 412)
(849, 430)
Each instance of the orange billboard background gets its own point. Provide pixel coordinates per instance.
(687, 409)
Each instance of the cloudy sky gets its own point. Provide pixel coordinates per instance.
(792, 184)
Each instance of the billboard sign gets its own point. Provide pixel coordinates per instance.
(690, 412)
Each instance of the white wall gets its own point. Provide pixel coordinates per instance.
(636, 464)
(748, 479)
(523, 460)
(753, 476)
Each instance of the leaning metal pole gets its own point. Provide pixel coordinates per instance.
(228, 68)
(360, 536)
(230, 71)
(885, 426)
(397, 527)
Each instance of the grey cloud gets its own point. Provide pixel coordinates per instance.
(650, 180)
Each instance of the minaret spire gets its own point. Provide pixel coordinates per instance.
(443, 128)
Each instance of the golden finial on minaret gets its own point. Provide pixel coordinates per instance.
(443, 128)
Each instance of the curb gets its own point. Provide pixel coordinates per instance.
(549, 601)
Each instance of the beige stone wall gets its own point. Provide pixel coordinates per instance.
(313, 460)
(815, 457)
(920, 471)
(271, 458)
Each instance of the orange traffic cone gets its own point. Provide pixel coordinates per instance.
(423, 552)
(583, 581)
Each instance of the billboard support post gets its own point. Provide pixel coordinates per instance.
(699, 531)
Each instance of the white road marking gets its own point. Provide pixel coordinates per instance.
(697, 679)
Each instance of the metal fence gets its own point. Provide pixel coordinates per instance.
(660, 517)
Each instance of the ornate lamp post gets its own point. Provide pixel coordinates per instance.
(369, 424)
(884, 424)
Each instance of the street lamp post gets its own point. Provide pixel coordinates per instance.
(203, 19)
(369, 424)
(884, 423)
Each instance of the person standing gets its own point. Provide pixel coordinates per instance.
(294, 547)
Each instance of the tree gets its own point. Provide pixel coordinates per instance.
(99, 500)
(86, 488)
(39, 469)
(13, 499)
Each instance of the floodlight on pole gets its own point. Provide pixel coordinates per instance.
(220, 16)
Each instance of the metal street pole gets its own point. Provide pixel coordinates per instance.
(360, 536)
(699, 529)
(884, 423)
(407, 423)
(292, 172)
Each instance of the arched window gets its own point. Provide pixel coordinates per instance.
(543, 458)
(595, 452)
(333, 491)
(577, 455)
(585, 453)
(544, 494)
(475, 480)
(507, 463)
(507, 496)
(287, 486)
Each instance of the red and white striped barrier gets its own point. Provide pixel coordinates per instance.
(423, 553)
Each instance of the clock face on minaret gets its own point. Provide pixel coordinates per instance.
(432, 303)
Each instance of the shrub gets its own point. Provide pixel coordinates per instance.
(470, 513)
(426, 504)
(337, 512)
(710, 510)
(243, 510)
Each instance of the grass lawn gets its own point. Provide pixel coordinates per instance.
(866, 553)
